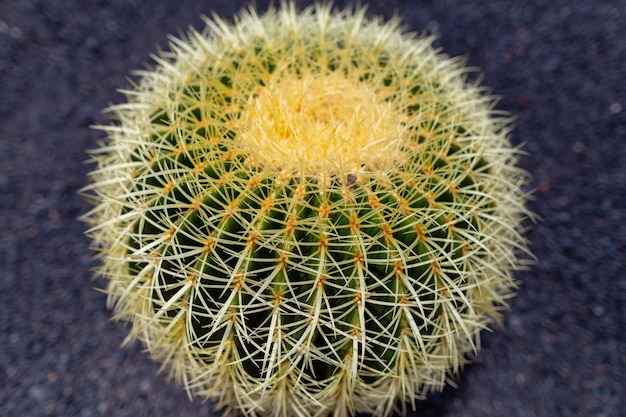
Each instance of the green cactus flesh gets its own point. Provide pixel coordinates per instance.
(308, 213)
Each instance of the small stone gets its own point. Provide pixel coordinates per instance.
(522, 101)
(111, 25)
(15, 32)
(598, 310)
(145, 385)
(37, 392)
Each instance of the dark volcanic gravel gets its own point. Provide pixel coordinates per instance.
(559, 66)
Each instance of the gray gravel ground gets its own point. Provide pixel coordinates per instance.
(559, 66)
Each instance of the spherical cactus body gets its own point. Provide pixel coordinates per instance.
(308, 213)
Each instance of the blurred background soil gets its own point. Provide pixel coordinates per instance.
(559, 66)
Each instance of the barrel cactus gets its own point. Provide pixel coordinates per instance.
(308, 213)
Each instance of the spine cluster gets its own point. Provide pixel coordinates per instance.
(306, 213)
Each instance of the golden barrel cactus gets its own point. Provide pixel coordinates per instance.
(305, 213)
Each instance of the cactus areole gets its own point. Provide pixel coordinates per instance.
(308, 213)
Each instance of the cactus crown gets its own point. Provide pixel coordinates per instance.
(321, 123)
(305, 213)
